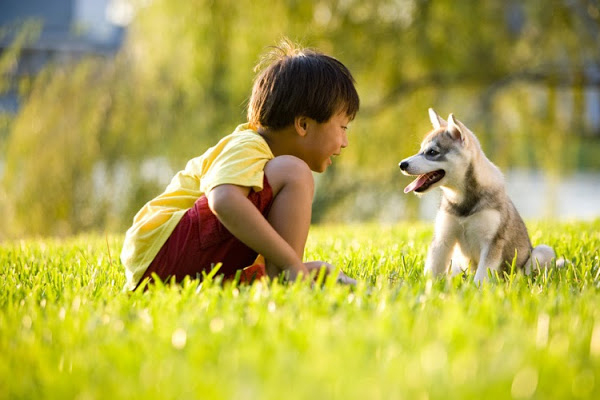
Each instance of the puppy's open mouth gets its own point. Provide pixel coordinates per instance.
(424, 182)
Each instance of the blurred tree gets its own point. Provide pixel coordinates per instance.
(101, 131)
(18, 37)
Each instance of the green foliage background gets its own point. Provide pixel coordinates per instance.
(95, 140)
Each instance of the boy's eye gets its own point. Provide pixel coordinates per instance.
(432, 152)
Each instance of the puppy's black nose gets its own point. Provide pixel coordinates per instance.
(403, 165)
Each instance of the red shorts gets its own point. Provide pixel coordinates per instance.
(200, 241)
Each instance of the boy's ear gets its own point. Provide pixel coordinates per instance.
(301, 125)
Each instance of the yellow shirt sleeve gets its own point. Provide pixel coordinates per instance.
(240, 162)
(237, 159)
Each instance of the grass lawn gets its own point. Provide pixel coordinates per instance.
(67, 331)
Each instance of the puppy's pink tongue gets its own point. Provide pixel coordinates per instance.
(417, 183)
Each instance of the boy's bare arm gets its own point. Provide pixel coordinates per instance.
(231, 206)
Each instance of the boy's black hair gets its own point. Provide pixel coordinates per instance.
(300, 82)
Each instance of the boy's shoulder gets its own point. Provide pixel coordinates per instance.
(243, 135)
(245, 131)
(243, 141)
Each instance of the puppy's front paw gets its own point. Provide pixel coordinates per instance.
(434, 271)
(481, 276)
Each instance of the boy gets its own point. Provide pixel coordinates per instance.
(251, 193)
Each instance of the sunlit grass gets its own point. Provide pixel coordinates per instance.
(68, 330)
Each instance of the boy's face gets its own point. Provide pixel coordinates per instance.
(325, 140)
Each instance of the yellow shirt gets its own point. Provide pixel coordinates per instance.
(238, 159)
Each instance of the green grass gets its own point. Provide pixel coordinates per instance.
(68, 331)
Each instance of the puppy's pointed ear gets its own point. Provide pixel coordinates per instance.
(436, 120)
(456, 129)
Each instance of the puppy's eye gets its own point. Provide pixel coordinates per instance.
(432, 152)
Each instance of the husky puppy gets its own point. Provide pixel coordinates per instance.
(476, 219)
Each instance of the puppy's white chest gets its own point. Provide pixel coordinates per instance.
(476, 232)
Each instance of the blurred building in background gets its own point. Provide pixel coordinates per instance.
(69, 30)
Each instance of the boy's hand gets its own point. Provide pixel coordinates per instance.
(341, 278)
(345, 279)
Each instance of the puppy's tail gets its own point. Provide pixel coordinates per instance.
(541, 258)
